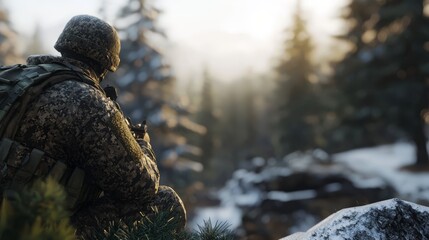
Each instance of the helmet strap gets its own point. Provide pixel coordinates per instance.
(102, 75)
(99, 71)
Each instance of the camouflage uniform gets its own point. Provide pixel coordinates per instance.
(76, 123)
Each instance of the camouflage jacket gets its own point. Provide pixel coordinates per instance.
(75, 122)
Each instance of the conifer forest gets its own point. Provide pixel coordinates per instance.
(266, 118)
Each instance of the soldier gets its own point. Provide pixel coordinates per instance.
(79, 136)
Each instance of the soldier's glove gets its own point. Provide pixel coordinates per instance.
(146, 137)
(140, 131)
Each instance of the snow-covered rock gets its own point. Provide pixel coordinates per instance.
(390, 219)
(270, 199)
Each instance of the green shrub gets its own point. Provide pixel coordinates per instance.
(38, 213)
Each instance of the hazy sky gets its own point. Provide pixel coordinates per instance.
(229, 37)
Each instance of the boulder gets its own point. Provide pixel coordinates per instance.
(283, 198)
(390, 219)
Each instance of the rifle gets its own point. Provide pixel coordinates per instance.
(139, 130)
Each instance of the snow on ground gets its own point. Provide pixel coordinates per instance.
(385, 162)
(374, 165)
(224, 213)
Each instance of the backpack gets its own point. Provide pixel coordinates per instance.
(19, 85)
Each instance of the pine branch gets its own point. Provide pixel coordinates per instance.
(159, 225)
(36, 213)
(220, 231)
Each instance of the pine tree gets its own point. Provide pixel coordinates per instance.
(8, 39)
(401, 60)
(250, 121)
(146, 90)
(385, 77)
(207, 118)
(36, 45)
(230, 127)
(359, 118)
(295, 94)
(245, 116)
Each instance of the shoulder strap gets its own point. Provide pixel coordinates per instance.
(76, 72)
(30, 85)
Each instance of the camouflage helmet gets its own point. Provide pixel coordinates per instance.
(90, 37)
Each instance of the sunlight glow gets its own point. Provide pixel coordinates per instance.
(230, 37)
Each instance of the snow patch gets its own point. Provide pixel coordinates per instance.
(290, 196)
(383, 163)
(229, 214)
(333, 187)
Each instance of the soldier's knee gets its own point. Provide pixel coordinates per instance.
(168, 200)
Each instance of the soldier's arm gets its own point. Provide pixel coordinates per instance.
(109, 152)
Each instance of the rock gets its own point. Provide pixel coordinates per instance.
(391, 219)
(280, 199)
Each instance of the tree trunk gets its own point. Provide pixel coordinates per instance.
(421, 149)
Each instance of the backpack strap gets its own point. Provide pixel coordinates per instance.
(29, 86)
(26, 172)
(74, 187)
(58, 170)
(5, 146)
(73, 179)
(73, 72)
